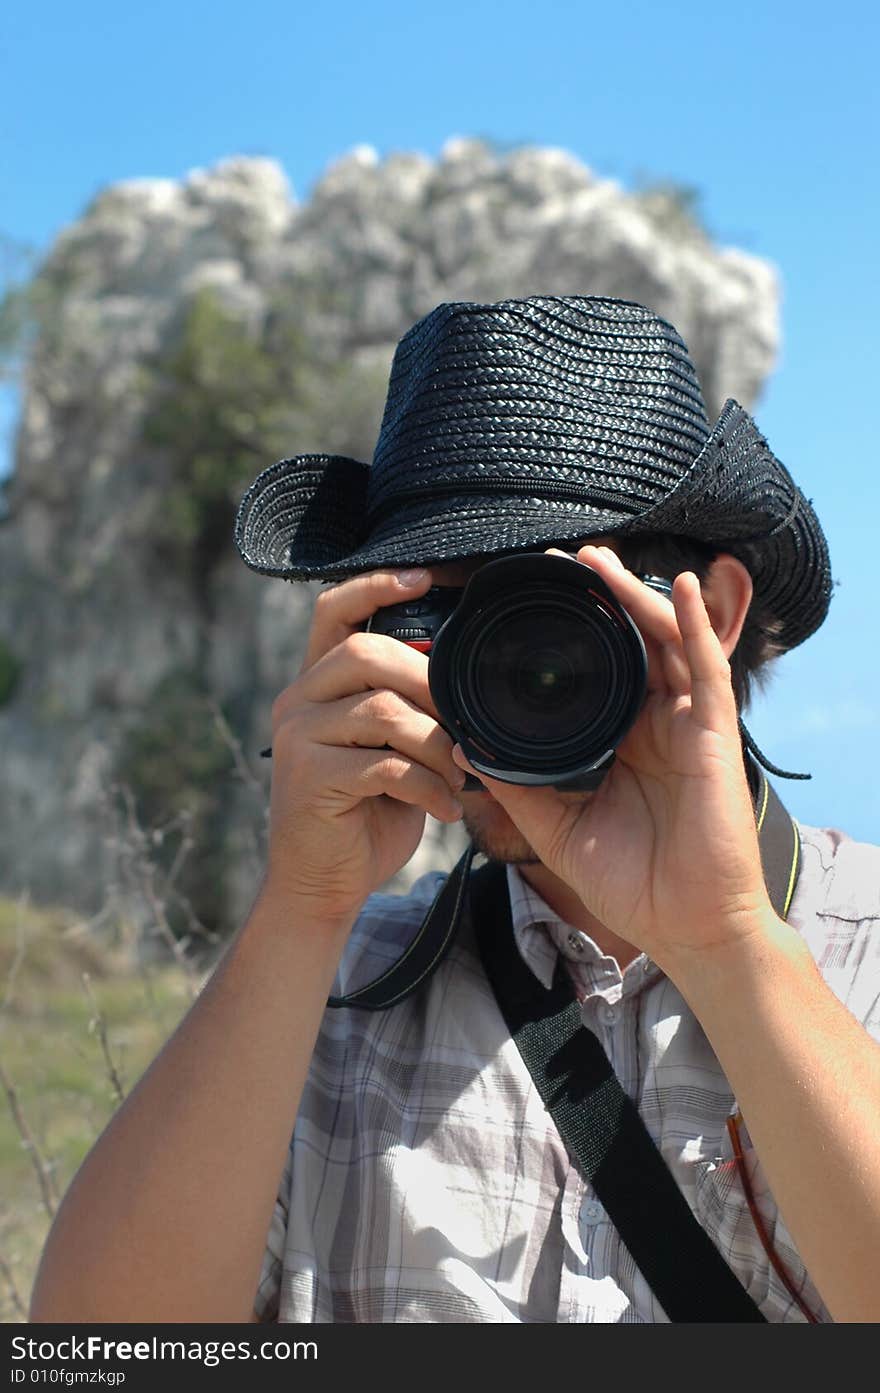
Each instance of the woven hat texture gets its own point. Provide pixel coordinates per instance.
(540, 422)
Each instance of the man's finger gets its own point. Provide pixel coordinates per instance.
(712, 699)
(652, 612)
(668, 672)
(527, 806)
(361, 662)
(342, 609)
(654, 616)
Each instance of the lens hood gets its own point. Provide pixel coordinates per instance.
(539, 672)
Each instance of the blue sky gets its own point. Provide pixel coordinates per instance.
(768, 109)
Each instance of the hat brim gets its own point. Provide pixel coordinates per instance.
(740, 498)
(302, 515)
(305, 519)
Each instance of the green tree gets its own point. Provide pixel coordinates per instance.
(218, 399)
(178, 768)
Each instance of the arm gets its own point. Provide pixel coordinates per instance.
(665, 855)
(806, 1075)
(168, 1216)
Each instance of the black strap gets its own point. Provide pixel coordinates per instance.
(596, 1119)
(601, 1127)
(436, 934)
(780, 845)
(598, 1122)
(426, 952)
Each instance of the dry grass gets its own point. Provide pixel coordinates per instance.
(77, 1028)
(85, 1006)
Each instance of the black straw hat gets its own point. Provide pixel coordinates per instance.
(540, 422)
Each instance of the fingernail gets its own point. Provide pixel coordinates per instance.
(612, 557)
(460, 758)
(412, 577)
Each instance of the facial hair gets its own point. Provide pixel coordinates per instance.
(494, 834)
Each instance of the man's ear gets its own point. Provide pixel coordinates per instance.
(727, 594)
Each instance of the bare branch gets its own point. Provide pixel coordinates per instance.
(9, 1278)
(20, 950)
(145, 872)
(233, 744)
(42, 1168)
(99, 1025)
(258, 849)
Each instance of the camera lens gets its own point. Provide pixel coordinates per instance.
(544, 677)
(545, 680)
(539, 671)
(538, 674)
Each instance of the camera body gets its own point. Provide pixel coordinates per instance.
(534, 666)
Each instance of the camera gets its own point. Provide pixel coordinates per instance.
(534, 666)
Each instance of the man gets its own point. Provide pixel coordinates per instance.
(426, 1180)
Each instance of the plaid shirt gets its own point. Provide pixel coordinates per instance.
(425, 1180)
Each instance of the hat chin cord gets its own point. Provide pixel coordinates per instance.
(762, 759)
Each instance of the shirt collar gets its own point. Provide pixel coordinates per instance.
(542, 935)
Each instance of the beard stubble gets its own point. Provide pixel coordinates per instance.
(493, 833)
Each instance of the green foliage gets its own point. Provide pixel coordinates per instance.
(216, 408)
(173, 756)
(495, 145)
(175, 762)
(10, 672)
(31, 307)
(13, 325)
(673, 208)
(226, 399)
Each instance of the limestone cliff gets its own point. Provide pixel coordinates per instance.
(188, 334)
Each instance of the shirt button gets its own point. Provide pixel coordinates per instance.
(576, 944)
(610, 1014)
(592, 1212)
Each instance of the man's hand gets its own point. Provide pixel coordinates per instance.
(358, 756)
(665, 853)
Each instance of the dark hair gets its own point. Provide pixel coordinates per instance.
(666, 555)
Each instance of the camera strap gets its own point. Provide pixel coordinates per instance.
(599, 1124)
(778, 842)
(601, 1127)
(595, 1117)
(424, 955)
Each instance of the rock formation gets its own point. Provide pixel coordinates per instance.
(189, 333)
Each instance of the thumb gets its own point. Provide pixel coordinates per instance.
(528, 806)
